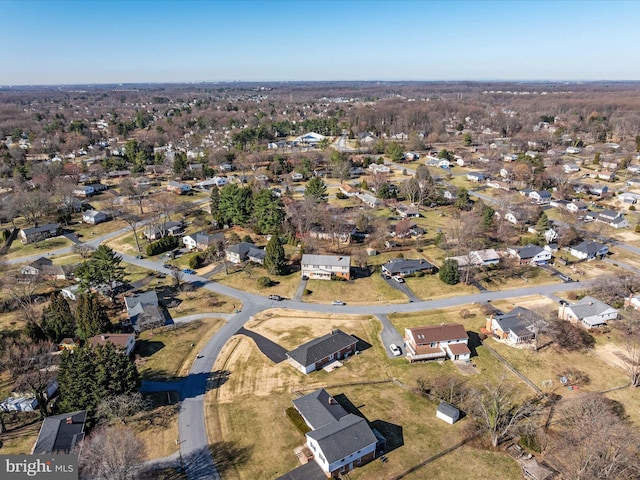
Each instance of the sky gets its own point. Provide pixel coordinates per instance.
(111, 41)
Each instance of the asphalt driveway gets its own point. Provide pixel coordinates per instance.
(271, 350)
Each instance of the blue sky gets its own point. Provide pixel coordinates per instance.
(77, 42)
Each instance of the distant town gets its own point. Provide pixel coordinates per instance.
(311, 280)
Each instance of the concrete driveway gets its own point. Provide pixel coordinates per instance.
(403, 288)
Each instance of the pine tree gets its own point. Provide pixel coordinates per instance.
(91, 374)
(91, 318)
(449, 272)
(268, 212)
(316, 189)
(102, 270)
(274, 259)
(57, 321)
(215, 204)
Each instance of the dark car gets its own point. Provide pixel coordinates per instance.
(275, 297)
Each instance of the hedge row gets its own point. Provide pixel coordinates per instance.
(162, 245)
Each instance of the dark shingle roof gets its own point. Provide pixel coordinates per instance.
(449, 410)
(517, 320)
(60, 435)
(319, 348)
(319, 408)
(589, 248)
(529, 251)
(340, 439)
(399, 265)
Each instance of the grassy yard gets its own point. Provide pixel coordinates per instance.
(201, 301)
(166, 353)
(21, 435)
(372, 289)
(87, 231)
(246, 279)
(531, 277)
(18, 250)
(260, 436)
(158, 428)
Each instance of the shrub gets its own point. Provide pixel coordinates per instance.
(162, 245)
(632, 208)
(196, 261)
(297, 420)
(307, 291)
(337, 278)
(341, 196)
(264, 282)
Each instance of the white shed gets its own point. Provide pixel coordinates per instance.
(448, 413)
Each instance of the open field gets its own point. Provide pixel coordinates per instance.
(257, 430)
(166, 353)
(372, 289)
(532, 277)
(246, 279)
(87, 231)
(22, 432)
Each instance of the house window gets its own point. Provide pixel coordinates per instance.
(359, 460)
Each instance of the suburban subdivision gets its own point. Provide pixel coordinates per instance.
(303, 281)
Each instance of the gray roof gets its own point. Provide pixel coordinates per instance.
(399, 265)
(590, 248)
(449, 410)
(326, 260)
(319, 348)
(59, 435)
(340, 439)
(42, 228)
(529, 251)
(319, 408)
(144, 298)
(517, 321)
(242, 249)
(589, 307)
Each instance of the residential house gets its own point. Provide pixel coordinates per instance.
(59, 434)
(297, 176)
(511, 218)
(589, 312)
(341, 235)
(339, 441)
(572, 150)
(517, 326)
(45, 268)
(36, 234)
(406, 211)
(312, 139)
(530, 254)
(323, 267)
(561, 204)
(370, 200)
(125, 342)
(177, 187)
(629, 198)
(244, 251)
(19, 404)
(589, 250)
(476, 177)
(158, 231)
(605, 175)
(541, 197)
(379, 168)
(69, 343)
(405, 266)
(437, 342)
(71, 292)
(598, 189)
(94, 217)
(571, 168)
(612, 218)
(448, 413)
(577, 207)
(349, 190)
(477, 258)
(317, 353)
(83, 191)
(144, 311)
(202, 240)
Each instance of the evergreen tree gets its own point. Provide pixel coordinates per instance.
(91, 374)
(268, 212)
(487, 216)
(215, 204)
(91, 318)
(543, 223)
(57, 321)
(316, 189)
(449, 272)
(102, 270)
(179, 163)
(274, 260)
(235, 204)
(463, 200)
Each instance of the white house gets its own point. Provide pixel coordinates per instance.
(589, 312)
(322, 267)
(437, 342)
(94, 217)
(589, 250)
(531, 254)
(541, 197)
(612, 218)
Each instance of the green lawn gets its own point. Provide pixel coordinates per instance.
(18, 250)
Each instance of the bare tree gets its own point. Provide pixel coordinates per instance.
(33, 205)
(495, 408)
(120, 406)
(135, 192)
(132, 220)
(83, 250)
(22, 290)
(111, 453)
(631, 361)
(32, 367)
(594, 441)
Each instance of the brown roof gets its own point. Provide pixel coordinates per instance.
(118, 339)
(438, 333)
(458, 348)
(427, 350)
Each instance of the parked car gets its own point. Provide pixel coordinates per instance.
(188, 271)
(139, 257)
(398, 279)
(337, 302)
(277, 298)
(395, 349)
